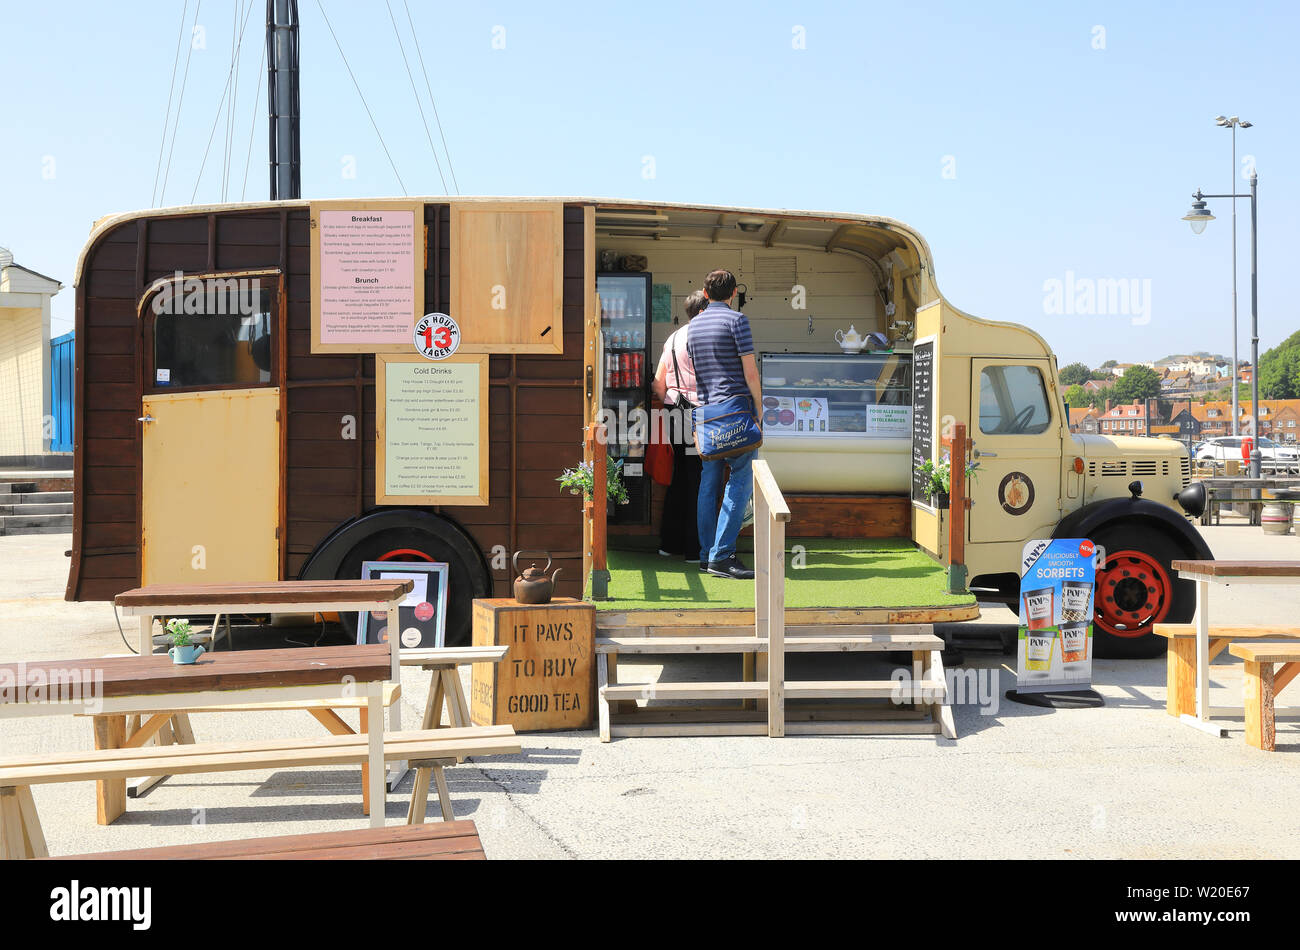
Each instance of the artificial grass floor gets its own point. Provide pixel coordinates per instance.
(885, 572)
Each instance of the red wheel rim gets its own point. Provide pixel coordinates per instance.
(399, 553)
(1133, 592)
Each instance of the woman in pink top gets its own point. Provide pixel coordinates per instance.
(674, 386)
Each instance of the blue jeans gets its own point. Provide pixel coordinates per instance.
(719, 529)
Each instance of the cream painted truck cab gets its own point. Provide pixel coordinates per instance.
(1035, 479)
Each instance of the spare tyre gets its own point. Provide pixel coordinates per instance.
(406, 534)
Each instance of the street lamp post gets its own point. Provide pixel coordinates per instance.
(1198, 217)
(1233, 123)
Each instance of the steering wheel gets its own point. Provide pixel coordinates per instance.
(1021, 421)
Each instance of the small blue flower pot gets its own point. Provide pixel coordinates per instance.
(183, 656)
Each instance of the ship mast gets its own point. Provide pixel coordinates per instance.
(284, 138)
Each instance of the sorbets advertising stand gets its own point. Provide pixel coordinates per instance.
(1054, 656)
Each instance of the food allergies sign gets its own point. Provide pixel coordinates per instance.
(1057, 579)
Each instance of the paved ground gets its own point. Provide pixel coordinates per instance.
(1123, 781)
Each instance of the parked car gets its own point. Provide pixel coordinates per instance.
(1273, 455)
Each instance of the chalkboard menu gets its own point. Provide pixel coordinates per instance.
(922, 416)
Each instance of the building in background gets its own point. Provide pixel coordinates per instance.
(1124, 419)
(1279, 419)
(26, 422)
(1083, 421)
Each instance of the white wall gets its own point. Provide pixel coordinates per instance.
(24, 390)
(840, 290)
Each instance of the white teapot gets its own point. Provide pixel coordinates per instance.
(850, 341)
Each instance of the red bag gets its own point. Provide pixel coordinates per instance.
(659, 462)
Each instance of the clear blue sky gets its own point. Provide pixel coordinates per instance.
(1067, 157)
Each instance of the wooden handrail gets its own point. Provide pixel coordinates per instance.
(770, 516)
(765, 483)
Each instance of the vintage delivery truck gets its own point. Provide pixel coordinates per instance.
(249, 404)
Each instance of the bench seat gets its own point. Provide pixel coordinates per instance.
(449, 840)
(1180, 661)
(1261, 683)
(20, 834)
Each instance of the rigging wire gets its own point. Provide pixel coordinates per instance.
(434, 104)
(234, 97)
(217, 119)
(415, 92)
(253, 128)
(162, 195)
(363, 98)
(167, 113)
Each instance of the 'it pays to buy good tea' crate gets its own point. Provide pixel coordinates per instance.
(546, 679)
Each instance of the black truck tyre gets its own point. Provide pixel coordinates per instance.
(407, 534)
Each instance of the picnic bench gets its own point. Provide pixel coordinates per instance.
(155, 687)
(1207, 574)
(451, 840)
(1261, 683)
(23, 837)
(1180, 660)
(1241, 490)
(270, 597)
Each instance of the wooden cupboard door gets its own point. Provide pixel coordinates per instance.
(507, 276)
(211, 487)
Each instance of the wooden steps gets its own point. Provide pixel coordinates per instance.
(917, 702)
(794, 689)
(819, 638)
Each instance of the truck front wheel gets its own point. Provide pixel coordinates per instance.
(1137, 589)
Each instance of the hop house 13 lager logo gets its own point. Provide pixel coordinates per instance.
(436, 336)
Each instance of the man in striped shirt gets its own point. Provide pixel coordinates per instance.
(722, 352)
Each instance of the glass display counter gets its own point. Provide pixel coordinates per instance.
(838, 422)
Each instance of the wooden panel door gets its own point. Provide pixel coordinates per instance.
(507, 276)
(211, 487)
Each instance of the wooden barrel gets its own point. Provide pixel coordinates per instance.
(1276, 517)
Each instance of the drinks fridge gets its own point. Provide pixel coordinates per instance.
(628, 366)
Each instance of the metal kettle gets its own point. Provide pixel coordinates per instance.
(533, 586)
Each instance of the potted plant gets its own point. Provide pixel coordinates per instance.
(581, 480)
(938, 479)
(183, 650)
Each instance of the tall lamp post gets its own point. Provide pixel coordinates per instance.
(1198, 218)
(1233, 122)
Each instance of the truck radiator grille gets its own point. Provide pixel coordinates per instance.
(1144, 467)
(1107, 469)
(1187, 471)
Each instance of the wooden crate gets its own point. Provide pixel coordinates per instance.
(547, 680)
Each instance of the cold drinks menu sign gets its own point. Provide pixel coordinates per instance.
(431, 431)
(368, 269)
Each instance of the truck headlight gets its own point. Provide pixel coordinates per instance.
(1192, 499)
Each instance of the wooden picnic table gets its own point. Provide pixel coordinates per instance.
(1205, 574)
(318, 596)
(111, 687)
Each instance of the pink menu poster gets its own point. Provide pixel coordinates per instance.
(367, 277)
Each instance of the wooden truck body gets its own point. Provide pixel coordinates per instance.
(212, 447)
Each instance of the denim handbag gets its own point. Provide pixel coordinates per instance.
(727, 428)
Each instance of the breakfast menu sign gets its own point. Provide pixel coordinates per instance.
(1056, 611)
(368, 275)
